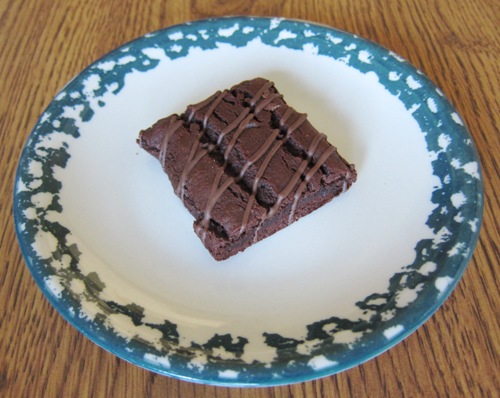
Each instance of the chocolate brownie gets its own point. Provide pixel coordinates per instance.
(245, 164)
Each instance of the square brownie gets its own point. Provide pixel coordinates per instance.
(245, 164)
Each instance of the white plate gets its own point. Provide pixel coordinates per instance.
(113, 248)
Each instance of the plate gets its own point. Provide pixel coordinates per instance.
(113, 249)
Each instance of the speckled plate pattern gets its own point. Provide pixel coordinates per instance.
(114, 251)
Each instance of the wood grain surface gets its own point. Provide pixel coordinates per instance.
(45, 43)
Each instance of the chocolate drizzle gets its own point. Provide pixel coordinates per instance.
(307, 177)
(261, 99)
(266, 162)
(164, 142)
(197, 150)
(244, 118)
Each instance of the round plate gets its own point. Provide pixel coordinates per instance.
(113, 249)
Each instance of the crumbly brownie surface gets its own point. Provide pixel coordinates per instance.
(246, 164)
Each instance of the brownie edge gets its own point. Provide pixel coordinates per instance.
(246, 165)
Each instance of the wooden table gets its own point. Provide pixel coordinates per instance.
(456, 43)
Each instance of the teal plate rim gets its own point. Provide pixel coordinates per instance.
(456, 219)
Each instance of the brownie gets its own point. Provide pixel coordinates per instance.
(245, 164)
